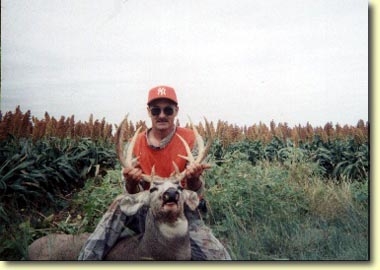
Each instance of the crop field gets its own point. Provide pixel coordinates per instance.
(273, 193)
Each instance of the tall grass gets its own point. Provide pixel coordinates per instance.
(275, 211)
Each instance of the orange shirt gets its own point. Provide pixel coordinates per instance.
(162, 158)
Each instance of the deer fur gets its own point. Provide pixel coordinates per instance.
(57, 247)
(166, 234)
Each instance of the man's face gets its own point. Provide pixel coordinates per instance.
(162, 112)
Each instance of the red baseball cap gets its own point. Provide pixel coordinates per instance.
(162, 91)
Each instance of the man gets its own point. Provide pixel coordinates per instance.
(159, 147)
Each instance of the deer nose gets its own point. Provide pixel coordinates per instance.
(170, 195)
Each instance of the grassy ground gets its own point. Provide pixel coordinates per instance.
(275, 211)
(270, 211)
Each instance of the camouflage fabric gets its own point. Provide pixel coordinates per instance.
(119, 222)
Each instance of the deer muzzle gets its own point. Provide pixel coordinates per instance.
(171, 195)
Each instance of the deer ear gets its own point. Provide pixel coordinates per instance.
(191, 198)
(131, 203)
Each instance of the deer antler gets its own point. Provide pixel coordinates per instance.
(202, 149)
(128, 161)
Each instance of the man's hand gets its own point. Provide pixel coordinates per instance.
(132, 176)
(193, 173)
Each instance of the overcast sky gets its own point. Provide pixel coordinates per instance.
(245, 61)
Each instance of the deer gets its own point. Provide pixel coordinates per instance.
(166, 235)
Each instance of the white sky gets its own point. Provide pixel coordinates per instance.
(245, 61)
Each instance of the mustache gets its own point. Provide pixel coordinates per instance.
(162, 120)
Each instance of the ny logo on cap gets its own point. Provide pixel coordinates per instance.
(161, 91)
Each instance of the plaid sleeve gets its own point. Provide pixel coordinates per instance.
(106, 233)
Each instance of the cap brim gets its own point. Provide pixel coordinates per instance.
(163, 98)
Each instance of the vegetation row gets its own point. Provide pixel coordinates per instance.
(25, 125)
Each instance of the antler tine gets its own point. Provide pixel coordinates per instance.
(153, 177)
(119, 141)
(190, 158)
(176, 169)
(199, 141)
(202, 149)
(128, 160)
(149, 178)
